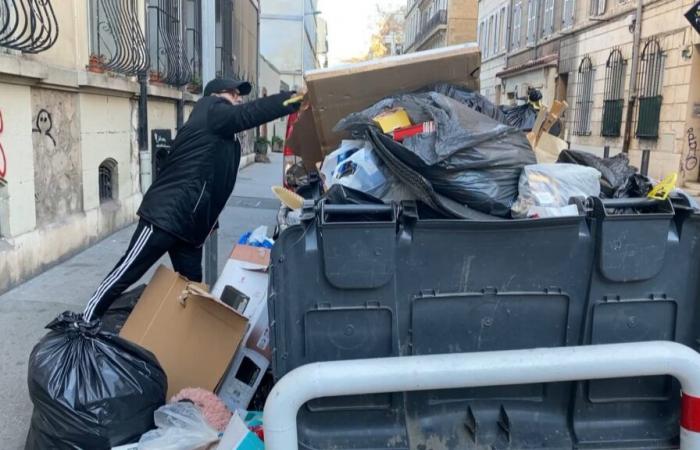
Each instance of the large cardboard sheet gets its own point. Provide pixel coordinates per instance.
(335, 93)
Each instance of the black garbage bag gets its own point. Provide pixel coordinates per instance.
(472, 99)
(471, 158)
(615, 171)
(524, 116)
(115, 317)
(90, 389)
(343, 195)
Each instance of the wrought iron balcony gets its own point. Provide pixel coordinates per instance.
(28, 25)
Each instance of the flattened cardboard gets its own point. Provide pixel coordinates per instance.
(253, 255)
(335, 93)
(193, 334)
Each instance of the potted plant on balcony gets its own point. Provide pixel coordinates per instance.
(96, 63)
(261, 145)
(195, 86)
(277, 144)
(155, 77)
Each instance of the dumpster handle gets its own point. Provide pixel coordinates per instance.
(480, 369)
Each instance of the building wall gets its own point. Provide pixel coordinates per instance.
(461, 26)
(662, 20)
(270, 83)
(60, 122)
(493, 58)
(569, 41)
(462, 19)
(288, 31)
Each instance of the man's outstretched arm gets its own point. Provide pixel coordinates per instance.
(226, 119)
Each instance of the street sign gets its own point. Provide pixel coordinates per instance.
(161, 143)
(693, 16)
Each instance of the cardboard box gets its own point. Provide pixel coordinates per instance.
(335, 93)
(192, 333)
(246, 274)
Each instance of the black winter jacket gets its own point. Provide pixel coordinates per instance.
(200, 173)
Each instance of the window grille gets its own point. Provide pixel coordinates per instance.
(28, 25)
(613, 97)
(584, 98)
(650, 84)
(117, 41)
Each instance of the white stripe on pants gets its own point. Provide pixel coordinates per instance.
(114, 276)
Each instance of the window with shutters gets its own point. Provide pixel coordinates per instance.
(495, 45)
(584, 98)
(597, 7)
(492, 32)
(567, 15)
(613, 96)
(504, 29)
(548, 22)
(517, 19)
(650, 84)
(531, 21)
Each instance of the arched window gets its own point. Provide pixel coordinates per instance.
(108, 177)
(650, 82)
(613, 97)
(584, 98)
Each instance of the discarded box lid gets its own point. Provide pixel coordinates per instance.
(393, 119)
(335, 93)
(192, 333)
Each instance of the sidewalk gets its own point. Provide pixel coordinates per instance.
(25, 310)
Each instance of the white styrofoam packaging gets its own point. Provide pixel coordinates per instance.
(246, 271)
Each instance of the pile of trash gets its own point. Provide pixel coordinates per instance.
(169, 365)
(452, 150)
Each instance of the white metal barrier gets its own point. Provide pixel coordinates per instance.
(543, 365)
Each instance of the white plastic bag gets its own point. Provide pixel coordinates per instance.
(545, 189)
(355, 165)
(181, 426)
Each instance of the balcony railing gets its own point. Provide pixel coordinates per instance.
(28, 26)
(428, 28)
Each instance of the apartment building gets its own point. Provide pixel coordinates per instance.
(439, 23)
(630, 94)
(90, 91)
(290, 37)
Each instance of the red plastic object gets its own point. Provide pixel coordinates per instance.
(690, 413)
(422, 128)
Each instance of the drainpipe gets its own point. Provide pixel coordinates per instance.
(211, 261)
(480, 369)
(633, 77)
(144, 155)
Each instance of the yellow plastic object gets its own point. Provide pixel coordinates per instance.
(393, 120)
(290, 199)
(662, 190)
(295, 99)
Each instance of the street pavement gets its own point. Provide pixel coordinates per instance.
(25, 310)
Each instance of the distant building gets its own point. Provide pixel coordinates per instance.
(322, 42)
(582, 52)
(439, 23)
(289, 37)
(270, 84)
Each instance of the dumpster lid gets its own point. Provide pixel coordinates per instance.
(334, 93)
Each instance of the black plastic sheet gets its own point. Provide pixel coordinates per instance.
(471, 158)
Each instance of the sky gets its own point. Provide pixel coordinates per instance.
(350, 25)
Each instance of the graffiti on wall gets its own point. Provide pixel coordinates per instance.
(3, 158)
(43, 125)
(691, 159)
(58, 178)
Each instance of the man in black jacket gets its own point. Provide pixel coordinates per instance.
(182, 206)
